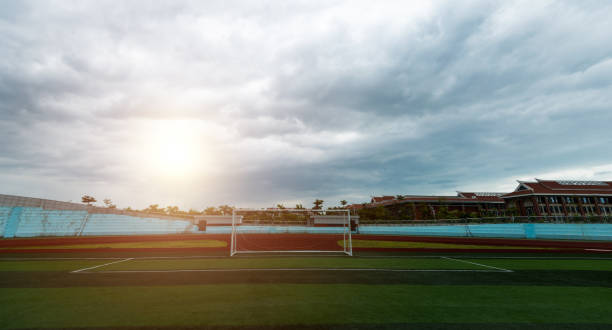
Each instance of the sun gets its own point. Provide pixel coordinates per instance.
(175, 148)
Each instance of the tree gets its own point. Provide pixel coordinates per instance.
(88, 199)
(109, 203)
(317, 204)
(280, 206)
(226, 209)
(299, 206)
(211, 210)
(343, 203)
(425, 211)
(443, 212)
(154, 208)
(399, 197)
(172, 209)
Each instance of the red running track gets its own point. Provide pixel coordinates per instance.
(302, 242)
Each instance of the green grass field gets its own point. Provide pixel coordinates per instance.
(310, 292)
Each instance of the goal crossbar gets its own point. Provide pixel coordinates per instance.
(347, 246)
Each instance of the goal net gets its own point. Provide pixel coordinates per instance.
(291, 231)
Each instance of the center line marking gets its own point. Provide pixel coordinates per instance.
(482, 265)
(106, 264)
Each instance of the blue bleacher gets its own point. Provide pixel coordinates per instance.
(35, 221)
(19, 221)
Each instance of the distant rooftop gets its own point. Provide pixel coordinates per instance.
(489, 194)
(581, 183)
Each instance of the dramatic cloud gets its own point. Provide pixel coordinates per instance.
(255, 103)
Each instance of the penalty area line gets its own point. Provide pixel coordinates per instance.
(98, 266)
(479, 264)
(216, 270)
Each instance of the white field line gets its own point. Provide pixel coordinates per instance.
(478, 264)
(600, 250)
(296, 269)
(98, 266)
(319, 256)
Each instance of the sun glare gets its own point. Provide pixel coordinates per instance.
(175, 149)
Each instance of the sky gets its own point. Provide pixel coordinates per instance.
(255, 103)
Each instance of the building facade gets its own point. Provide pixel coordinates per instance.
(561, 198)
(411, 207)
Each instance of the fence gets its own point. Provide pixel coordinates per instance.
(581, 231)
(492, 220)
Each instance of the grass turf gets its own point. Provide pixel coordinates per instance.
(547, 264)
(300, 304)
(293, 262)
(495, 299)
(48, 265)
(407, 263)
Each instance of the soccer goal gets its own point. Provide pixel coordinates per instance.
(291, 231)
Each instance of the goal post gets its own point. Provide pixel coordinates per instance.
(282, 230)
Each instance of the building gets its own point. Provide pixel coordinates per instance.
(382, 199)
(465, 204)
(561, 198)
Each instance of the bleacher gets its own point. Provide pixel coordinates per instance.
(583, 231)
(113, 224)
(38, 222)
(4, 214)
(31, 217)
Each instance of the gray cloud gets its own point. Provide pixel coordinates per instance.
(292, 101)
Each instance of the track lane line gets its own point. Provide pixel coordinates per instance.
(478, 264)
(106, 264)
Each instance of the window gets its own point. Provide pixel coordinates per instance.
(552, 199)
(569, 199)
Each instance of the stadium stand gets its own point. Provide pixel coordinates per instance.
(30, 217)
(582, 231)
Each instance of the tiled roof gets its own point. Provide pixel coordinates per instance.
(462, 197)
(382, 199)
(484, 197)
(552, 187)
